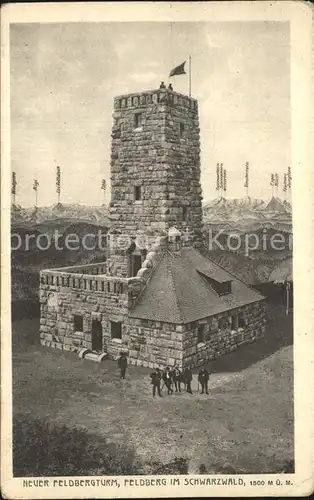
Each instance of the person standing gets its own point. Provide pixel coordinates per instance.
(188, 376)
(167, 380)
(122, 364)
(156, 378)
(177, 378)
(203, 377)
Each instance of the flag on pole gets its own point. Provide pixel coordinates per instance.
(103, 184)
(178, 70)
(35, 185)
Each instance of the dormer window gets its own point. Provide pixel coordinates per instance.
(221, 286)
(138, 120)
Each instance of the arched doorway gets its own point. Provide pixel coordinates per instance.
(96, 336)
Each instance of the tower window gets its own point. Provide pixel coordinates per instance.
(138, 120)
(181, 129)
(184, 213)
(137, 193)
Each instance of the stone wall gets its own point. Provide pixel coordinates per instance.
(219, 338)
(162, 156)
(152, 343)
(161, 344)
(98, 298)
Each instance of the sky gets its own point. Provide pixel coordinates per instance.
(64, 78)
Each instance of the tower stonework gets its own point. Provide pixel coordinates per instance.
(155, 169)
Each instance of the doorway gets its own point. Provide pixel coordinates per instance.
(96, 336)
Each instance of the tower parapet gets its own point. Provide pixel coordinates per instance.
(147, 98)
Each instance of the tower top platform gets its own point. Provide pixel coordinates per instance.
(158, 96)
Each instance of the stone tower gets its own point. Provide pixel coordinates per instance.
(155, 170)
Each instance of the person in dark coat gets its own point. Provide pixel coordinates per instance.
(188, 376)
(122, 364)
(170, 87)
(162, 85)
(177, 378)
(203, 377)
(166, 376)
(156, 378)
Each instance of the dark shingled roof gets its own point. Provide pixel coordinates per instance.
(178, 293)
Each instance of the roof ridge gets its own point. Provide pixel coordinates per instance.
(169, 270)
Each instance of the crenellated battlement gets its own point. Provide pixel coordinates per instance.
(160, 96)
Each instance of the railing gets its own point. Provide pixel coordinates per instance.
(91, 269)
(89, 282)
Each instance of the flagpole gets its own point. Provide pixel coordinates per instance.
(190, 77)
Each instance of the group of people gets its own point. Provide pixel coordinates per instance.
(163, 86)
(171, 378)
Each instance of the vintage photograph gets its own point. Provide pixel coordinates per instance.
(152, 287)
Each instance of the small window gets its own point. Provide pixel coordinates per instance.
(201, 334)
(116, 329)
(78, 323)
(242, 321)
(184, 213)
(234, 322)
(181, 129)
(221, 324)
(137, 193)
(138, 120)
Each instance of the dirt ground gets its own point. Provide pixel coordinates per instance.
(244, 425)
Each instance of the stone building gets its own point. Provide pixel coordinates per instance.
(158, 296)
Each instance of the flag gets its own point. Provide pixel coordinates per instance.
(276, 179)
(178, 70)
(103, 184)
(272, 179)
(35, 185)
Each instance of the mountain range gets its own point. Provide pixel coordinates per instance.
(240, 214)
